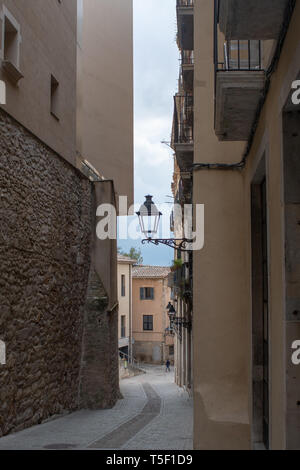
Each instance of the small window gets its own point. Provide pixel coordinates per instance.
(171, 350)
(148, 322)
(123, 326)
(54, 97)
(123, 286)
(11, 42)
(10, 46)
(147, 293)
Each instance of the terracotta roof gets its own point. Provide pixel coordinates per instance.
(125, 259)
(150, 271)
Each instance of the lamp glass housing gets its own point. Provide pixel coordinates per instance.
(149, 218)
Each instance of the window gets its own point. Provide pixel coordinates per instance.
(10, 46)
(171, 350)
(148, 322)
(11, 42)
(147, 293)
(123, 288)
(123, 326)
(54, 97)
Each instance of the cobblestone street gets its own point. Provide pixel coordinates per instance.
(154, 414)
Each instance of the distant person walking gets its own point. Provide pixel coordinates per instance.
(168, 366)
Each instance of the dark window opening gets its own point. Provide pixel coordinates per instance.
(260, 313)
(123, 326)
(147, 293)
(123, 288)
(148, 322)
(54, 97)
(11, 43)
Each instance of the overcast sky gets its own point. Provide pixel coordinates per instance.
(155, 74)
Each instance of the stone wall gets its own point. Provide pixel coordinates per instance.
(45, 235)
(99, 385)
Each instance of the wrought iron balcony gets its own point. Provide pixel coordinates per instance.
(241, 55)
(186, 188)
(239, 84)
(185, 20)
(185, 3)
(183, 130)
(187, 71)
(187, 57)
(182, 282)
(183, 119)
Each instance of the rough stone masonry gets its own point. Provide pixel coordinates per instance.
(46, 227)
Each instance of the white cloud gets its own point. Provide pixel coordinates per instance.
(149, 134)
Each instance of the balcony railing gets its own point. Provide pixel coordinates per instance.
(187, 58)
(238, 55)
(184, 119)
(239, 83)
(185, 3)
(185, 20)
(182, 280)
(241, 55)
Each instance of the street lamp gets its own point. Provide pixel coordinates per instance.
(172, 315)
(171, 312)
(149, 218)
(177, 321)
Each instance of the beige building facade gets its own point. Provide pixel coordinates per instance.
(29, 83)
(105, 91)
(153, 340)
(125, 266)
(240, 144)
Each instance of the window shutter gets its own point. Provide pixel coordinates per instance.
(152, 293)
(142, 293)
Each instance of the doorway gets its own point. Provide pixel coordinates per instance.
(260, 310)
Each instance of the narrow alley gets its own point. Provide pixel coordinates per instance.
(153, 414)
(149, 227)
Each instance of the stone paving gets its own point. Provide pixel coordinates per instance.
(154, 414)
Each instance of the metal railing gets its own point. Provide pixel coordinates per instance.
(131, 360)
(187, 57)
(180, 277)
(241, 55)
(184, 119)
(185, 3)
(237, 54)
